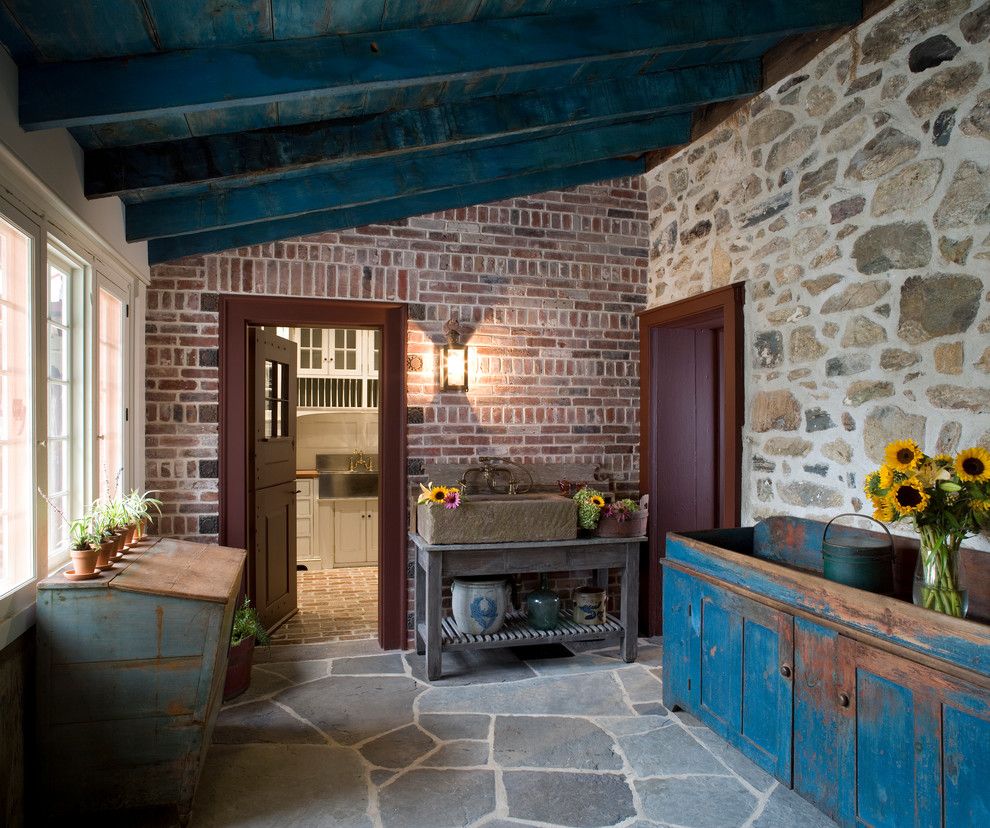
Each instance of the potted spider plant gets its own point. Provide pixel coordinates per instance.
(83, 548)
(247, 630)
(140, 507)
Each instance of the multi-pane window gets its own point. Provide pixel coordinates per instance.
(17, 559)
(345, 349)
(60, 407)
(111, 409)
(276, 399)
(310, 350)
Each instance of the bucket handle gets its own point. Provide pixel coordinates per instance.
(883, 526)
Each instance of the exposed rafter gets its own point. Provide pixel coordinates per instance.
(263, 153)
(168, 249)
(146, 86)
(361, 182)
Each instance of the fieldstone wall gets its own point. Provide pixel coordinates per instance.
(853, 199)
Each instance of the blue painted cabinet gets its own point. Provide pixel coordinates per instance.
(915, 743)
(681, 648)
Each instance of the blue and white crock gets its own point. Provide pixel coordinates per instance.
(480, 604)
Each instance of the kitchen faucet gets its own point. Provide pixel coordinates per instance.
(358, 459)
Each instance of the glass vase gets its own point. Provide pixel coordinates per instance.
(938, 581)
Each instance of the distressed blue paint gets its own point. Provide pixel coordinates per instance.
(68, 94)
(377, 179)
(721, 665)
(816, 743)
(966, 762)
(14, 37)
(166, 166)
(167, 249)
(681, 643)
(185, 24)
(942, 645)
(298, 18)
(63, 30)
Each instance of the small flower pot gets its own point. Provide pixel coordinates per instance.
(129, 533)
(634, 527)
(84, 560)
(105, 554)
(239, 658)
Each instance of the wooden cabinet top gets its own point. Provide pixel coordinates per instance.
(166, 566)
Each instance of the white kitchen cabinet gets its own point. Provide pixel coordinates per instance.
(307, 549)
(348, 531)
(338, 367)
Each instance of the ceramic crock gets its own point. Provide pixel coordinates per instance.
(589, 605)
(479, 604)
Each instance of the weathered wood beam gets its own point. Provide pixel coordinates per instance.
(370, 180)
(146, 86)
(175, 247)
(163, 168)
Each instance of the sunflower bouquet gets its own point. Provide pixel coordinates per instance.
(590, 504)
(447, 496)
(947, 499)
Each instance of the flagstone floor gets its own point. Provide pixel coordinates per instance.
(357, 737)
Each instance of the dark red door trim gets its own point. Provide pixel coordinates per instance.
(236, 313)
(717, 309)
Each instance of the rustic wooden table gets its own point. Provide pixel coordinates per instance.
(435, 633)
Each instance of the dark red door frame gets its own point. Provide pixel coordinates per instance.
(236, 314)
(717, 309)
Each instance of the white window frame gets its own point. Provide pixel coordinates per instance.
(123, 292)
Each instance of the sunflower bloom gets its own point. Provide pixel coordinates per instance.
(871, 483)
(942, 459)
(438, 494)
(903, 455)
(597, 500)
(883, 511)
(973, 465)
(982, 504)
(886, 477)
(909, 497)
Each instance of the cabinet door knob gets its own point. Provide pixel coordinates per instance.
(785, 670)
(843, 700)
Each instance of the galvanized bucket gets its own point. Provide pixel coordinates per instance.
(863, 562)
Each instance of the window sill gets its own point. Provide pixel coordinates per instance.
(16, 625)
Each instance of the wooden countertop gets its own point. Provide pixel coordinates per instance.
(307, 474)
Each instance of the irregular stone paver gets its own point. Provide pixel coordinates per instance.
(352, 709)
(263, 684)
(650, 709)
(595, 694)
(459, 755)
(747, 769)
(553, 742)
(447, 727)
(437, 799)
(398, 749)
(640, 684)
(391, 663)
(262, 722)
(296, 672)
(627, 726)
(250, 786)
(580, 663)
(696, 802)
(784, 807)
(462, 668)
(578, 799)
(676, 753)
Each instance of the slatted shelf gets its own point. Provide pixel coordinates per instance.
(517, 631)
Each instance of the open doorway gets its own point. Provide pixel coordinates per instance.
(691, 415)
(324, 382)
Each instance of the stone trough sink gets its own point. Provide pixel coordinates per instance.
(495, 518)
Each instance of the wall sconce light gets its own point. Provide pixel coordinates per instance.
(454, 362)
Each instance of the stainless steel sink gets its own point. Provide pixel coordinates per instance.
(349, 484)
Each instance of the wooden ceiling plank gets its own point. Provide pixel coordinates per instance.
(168, 249)
(141, 86)
(267, 152)
(370, 180)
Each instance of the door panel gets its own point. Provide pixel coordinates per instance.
(681, 648)
(272, 475)
(966, 758)
(747, 652)
(350, 535)
(372, 529)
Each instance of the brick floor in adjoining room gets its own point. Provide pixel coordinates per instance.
(334, 605)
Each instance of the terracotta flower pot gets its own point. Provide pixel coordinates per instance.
(118, 541)
(129, 534)
(238, 678)
(84, 560)
(105, 554)
(634, 527)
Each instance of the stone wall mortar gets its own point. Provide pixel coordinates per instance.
(853, 199)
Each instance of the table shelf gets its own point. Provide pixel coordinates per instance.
(518, 632)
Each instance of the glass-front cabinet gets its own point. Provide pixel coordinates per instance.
(338, 367)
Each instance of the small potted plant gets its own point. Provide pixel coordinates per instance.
(590, 503)
(139, 507)
(246, 631)
(624, 519)
(84, 549)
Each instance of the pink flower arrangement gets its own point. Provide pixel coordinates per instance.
(622, 510)
(452, 499)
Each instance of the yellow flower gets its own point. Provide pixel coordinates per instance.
(437, 494)
(903, 455)
(883, 511)
(886, 477)
(942, 459)
(871, 482)
(909, 497)
(598, 501)
(973, 465)
(981, 504)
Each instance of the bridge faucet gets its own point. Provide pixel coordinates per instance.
(358, 459)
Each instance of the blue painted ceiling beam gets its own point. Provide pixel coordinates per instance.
(171, 248)
(151, 85)
(370, 180)
(165, 168)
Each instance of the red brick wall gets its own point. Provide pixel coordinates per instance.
(546, 289)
